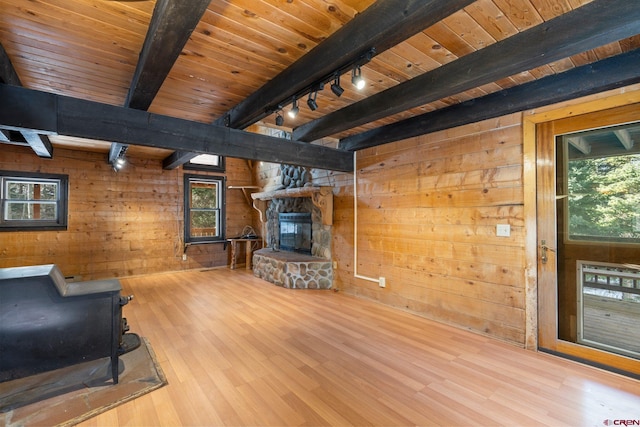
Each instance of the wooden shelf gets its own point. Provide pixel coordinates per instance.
(244, 189)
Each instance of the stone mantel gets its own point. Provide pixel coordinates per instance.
(322, 198)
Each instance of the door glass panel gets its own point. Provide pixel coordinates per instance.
(608, 307)
(598, 202)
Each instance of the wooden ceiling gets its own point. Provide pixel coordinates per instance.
(436, 63)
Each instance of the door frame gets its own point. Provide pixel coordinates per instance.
(541, 283)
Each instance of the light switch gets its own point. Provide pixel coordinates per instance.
(503, 230)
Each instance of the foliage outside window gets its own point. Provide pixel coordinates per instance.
(33, 201)
(204, 209)
(604, 196)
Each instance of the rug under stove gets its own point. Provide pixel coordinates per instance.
(71, 395)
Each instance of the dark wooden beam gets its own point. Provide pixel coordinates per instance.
(8, 74)
(587, 27)
(171, 25)
(610, 73)
(26, 109)
(177, 158)
(39, 143)
(381, 26)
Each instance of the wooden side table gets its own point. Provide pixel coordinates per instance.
(248, 248)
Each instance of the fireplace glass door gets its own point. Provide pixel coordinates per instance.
(295, 232)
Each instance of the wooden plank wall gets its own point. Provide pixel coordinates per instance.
(120, 224)
(427, 214)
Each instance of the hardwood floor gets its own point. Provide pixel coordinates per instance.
(240, 351)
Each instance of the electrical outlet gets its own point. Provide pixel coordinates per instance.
(184, 257)
(503, 230)
(382, 282)
(335, 265)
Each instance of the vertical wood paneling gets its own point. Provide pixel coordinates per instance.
(120, 224)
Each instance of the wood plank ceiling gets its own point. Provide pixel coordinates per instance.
(435, 64)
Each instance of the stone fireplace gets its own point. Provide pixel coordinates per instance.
(290, 268)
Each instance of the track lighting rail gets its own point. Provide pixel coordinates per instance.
(312, 89)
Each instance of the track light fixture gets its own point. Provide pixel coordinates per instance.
(117, 158)
(279, 119)
(311, 102)
(293, 112)
(335, 86)
(354, 64)
(356, 77)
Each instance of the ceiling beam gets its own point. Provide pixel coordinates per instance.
(624, 137)
(172, 23)
(27, 109)
(39, 143)
(610, 73)
(381, 26)
(8, 74)
(580, 144)
(176, 159)
(590, 26)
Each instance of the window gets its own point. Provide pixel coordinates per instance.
(603, 184)
(204, 209)
(33, 201)
(206, 162)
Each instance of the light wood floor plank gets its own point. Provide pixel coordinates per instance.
(240, 351)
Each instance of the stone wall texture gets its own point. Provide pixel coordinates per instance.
(294, 271)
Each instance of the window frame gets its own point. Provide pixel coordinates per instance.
(221, 181)
(62, 202)
(207, 168)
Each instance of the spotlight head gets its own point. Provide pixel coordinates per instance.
(336, 88)
(311, 102)
(118, 163)
(293, 112)
(356, 78)
(279, 119)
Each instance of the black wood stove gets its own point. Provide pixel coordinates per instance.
(47, 323)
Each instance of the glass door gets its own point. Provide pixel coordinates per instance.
(589, 237)
(598, 228)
